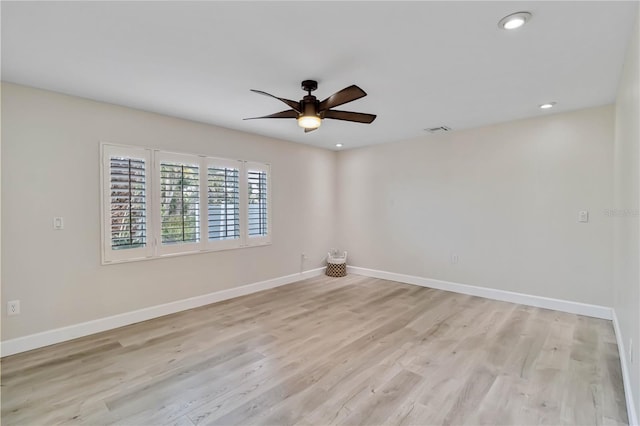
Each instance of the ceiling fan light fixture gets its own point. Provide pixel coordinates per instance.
(309, 121)
(515, 20)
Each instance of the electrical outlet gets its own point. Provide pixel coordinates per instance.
(58, 223)
(454, 258)
(583, 216)
(631, 350)
(13, 307)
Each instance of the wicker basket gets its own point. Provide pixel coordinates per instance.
(337, 263)
(337, 269)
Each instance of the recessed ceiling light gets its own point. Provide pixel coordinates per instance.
(339, 145)
(547, 105)
(515, 20)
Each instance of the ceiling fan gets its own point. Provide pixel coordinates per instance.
(310, 112)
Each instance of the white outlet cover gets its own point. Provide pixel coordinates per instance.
(13, 307)
(583, 216)
(58, 223)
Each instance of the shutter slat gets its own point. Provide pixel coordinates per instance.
(127, 187)
(257, 220)
(180, 202)
(223, 208)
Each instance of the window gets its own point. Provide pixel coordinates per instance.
(178, 195)
(224, 202)
(258, 219)
(125, 207)
(183, 204)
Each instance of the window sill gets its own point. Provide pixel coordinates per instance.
(185, 253)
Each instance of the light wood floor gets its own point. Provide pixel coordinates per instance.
(351, 350)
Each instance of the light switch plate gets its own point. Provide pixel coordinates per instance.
(583, 216)
(58, 223)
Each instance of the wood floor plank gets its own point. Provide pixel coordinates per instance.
(323, 351)
(383, 401)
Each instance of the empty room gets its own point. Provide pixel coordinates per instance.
(320, 213)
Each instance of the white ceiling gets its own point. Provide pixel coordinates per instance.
(423, 64)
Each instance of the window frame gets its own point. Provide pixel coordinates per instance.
(154, 248)
(162, 249)
(259, 167)
(230, 164)
(109, 255)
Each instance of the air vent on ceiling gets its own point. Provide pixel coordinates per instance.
(438, 129)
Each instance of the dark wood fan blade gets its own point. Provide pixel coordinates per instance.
(310, 130)
(293, 104)
(348, 94)
(358, 117)
(282, 114)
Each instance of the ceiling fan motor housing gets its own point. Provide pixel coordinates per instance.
(310, 105)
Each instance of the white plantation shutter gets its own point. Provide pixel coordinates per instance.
(126, 226)
(178, 196)
(257, 181)
(223, 202)
(157, 203)
(128, 202)
(258, 204)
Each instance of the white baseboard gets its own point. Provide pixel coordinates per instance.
(595, 311)
(626, 374)
(50, 337)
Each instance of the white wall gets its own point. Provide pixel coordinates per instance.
(504, 198)
(626, 222)
(50, 167)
